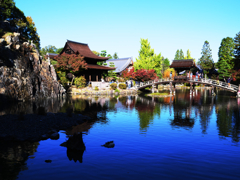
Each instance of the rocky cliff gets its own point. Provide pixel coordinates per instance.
(23, 72)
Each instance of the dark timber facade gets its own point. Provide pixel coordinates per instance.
(94, 72)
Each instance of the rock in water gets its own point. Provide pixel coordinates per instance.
(109, 144)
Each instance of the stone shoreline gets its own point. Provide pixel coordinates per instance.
(33, 127)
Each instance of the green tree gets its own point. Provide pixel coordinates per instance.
(111, 73)
(225, 54)
(237, 50)
(188, 56)
(32, 32)
(16, 18)
(103, 53)
(177, 55)
(166, 63)
(48, 49)
(115, 56)
(110, 56)
(181, 54)
(147, 59)
(206, 60)
(6, 9)
(59, 50)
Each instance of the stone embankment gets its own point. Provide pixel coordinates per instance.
(32, 127)
(23, 72)
(89, 91)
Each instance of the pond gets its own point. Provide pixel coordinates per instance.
(179, 137)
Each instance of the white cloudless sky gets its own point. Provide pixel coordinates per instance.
(118, 26)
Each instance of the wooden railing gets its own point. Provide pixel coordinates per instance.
(210, 82)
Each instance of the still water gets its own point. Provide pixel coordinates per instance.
(181, 137)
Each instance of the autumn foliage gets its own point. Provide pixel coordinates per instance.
(145, 75)
(70, 62)
(128, 73)
(166, 73)
(139, 75)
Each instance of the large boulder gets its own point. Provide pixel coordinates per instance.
(23, 73)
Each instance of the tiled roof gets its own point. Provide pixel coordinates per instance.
(185, 63)
(84, 50)
(120, 64)
(94, 66)
(51, 55)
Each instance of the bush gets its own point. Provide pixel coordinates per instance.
(80, 82)
(96, 88)
(117, 90)
(122, 86)
(113, 86)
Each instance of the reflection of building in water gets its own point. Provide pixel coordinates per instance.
(128, 101)
(13, 157)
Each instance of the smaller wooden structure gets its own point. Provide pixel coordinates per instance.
(184, 64)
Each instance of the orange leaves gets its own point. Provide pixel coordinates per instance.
(166, 73)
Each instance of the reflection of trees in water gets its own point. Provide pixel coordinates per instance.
(13, 156)
(228, 119)
(146, 109)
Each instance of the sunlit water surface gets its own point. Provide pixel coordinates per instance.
(183, 137)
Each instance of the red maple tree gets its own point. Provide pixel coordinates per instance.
(128, 73)
(70, 62)
(145, 75)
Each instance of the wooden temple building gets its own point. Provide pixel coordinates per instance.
(94, 72)
(184, 64)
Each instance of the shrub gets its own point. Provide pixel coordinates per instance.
(117, 90)
(122, 86)
(80, 82)
(113, 86)
(96, 88)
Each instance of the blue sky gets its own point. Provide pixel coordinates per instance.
(118, 26)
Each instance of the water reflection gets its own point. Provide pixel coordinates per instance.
(13, 156)
(180, 111)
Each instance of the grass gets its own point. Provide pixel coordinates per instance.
(158, 94)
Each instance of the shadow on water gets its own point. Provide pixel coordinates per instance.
(13, 157)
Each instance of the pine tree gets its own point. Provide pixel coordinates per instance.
(188, 56)
(225, 55)
(147, 59)
(181, 55)
(237, 51)
(206, 60)
(115, 56)
(177, 55)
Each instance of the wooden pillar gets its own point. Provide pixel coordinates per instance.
(90, 77)
(96, 77)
